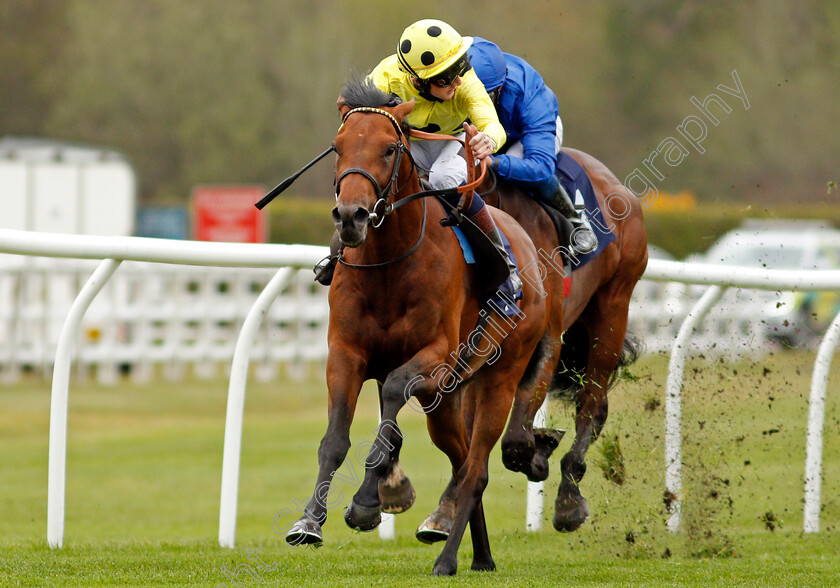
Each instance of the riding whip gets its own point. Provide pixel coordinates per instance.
(290, 180)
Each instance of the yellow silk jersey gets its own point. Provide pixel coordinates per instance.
(470, 102)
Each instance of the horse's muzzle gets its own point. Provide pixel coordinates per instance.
(351, 222)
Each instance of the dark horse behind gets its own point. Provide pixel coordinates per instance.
(404, 307)
(595, 339)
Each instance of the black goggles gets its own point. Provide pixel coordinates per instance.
(448, 76)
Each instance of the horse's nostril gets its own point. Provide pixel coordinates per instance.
(362, 215)
(336, 216)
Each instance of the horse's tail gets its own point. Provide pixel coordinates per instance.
(571, 369)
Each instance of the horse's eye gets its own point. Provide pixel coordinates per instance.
(390, 151)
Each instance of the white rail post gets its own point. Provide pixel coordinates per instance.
(535, 500)
(388, 525)
(16, 277)
(58, 400)
(816, 418)
(236, 405)
(673, 402)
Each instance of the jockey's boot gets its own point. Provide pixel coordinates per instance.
(325, 268)
(492, 231)
(583, 239)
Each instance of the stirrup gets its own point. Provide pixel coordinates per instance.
(583, 240)
(515, 283)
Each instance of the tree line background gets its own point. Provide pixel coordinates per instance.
(214, 91)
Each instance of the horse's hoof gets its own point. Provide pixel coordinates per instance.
(483, 566)
(362, 518)
(305, 532)
(517, 455)
(570, 513)
(428, 535)
(444, 567)
(396, 492)
(437, 525)
(539, 469)
(546, 441)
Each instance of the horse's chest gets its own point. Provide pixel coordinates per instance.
(399, 330)
(413, 327)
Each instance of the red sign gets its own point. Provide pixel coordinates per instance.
(227, 213)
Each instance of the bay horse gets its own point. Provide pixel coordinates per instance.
(404, 304)
(595, 338)
(595, 342)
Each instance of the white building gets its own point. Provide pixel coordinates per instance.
(57, 187)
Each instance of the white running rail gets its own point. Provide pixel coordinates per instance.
(719, 278)
(111, 251)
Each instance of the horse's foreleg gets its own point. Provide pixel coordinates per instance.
(345, 373)
(395, 490)
(570, 507)
(411, 379)
(607, 328)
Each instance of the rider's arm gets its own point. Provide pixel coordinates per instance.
(537, 120)
(480, 109)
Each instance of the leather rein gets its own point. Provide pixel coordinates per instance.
(384, 205)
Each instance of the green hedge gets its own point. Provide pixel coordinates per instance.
(680, 233)
(300, 220)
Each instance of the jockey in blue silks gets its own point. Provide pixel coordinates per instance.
(530, 115)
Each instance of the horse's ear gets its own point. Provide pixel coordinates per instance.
(401, 111)
(341, 104)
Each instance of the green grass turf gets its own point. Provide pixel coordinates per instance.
(144, 469)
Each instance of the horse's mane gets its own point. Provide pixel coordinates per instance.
(360, 92)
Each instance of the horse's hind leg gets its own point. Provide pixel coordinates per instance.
(449, 432)
(482, 559)
(606, 322)
(493, 403)
(525, 449)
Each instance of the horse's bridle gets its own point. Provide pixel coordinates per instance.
(383, 207)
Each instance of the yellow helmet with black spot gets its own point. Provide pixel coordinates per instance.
(431, 49)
